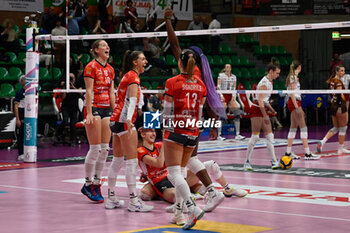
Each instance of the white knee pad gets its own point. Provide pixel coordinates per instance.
(174, 174)
(334, 130)
(303, 132)
(195, 165)
(292, 132)
(93, 154)
(342, 130)
(130, 173)
(270, 138)
(104, 152)
(213, 169)
(253, 139)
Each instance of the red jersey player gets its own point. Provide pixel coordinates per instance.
(124, 132)
(100, 98)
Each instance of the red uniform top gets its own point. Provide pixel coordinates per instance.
(122, 99)
(335, 83)
(187, 96)
(197, 72)
(153, 174)
(103, 77)
(128, 15)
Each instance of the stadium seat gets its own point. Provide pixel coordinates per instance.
(74, 57)
(7, 90)
(210, 60)
(247, 85)
(218, 61)
(14, 73)
(261, 72)
(43, 74)
(12, 57)
(226, 60)
(249, 40)
(170, 60)
(283, 61)
(21, 58)
(237, 72)
(57, 73)
(254, 74)
(245, 73)
(265, 50)
(257, 50)
(85, 59)
(273, 50)
(3, 73)
(290, 60)
(244, 61)
(235, 61)
(281, 50)
(118, 60)
(240, 39)
(216, 72)
(16, 28)
(225, 49)
(18, 86)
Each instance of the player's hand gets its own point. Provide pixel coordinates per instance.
(143, 177)
(299, 112)
(130, 126)
(266, 120)
(89, 119)
(18, 123)
(212, 134)
(168, 12)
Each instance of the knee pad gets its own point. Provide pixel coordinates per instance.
(174, 174)
(130, 173)
(195, 165)
(292, 132)
(93, 154)
(104, 152)
(334, 130)
(253, 139)
(237, 112)
(116, 165)
(342, 130)
(213, 169)
(303, 132)
(270, 138)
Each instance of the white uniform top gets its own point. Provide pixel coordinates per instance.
(269, 86)
(227, 83)
(346, 80)
(294, 79)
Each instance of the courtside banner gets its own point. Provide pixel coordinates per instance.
(183, 9)
(22, 5)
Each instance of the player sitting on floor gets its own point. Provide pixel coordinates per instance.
(151, 162)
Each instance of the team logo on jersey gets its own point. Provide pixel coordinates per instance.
(88, 70)
(106, 73)
(151, 120)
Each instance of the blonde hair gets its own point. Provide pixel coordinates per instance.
(295, 64)
(94, 46)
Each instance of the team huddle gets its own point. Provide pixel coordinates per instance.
(171, 168)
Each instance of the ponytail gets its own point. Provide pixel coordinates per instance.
(273, 65)
(129, 57)
(295, 64)
(190, 67)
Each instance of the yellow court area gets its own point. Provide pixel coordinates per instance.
(204, 226)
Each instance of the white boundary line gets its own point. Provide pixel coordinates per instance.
(221, 207)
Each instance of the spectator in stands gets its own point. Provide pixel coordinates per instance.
(155, 101)
(110, 25)
(215, 39)
(49, 20)
(204, 21)
(59, 45)
(45, 55)
(103, 13)
(69, 110)
(335, 62)
(19, 113)
(82, 9)
(155, 52)
(130, 13)
(196, 24)
(9, 36)
(98, 28)
(73, 22)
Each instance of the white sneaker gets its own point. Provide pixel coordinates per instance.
(219, 138)
(229, 191)
(197, 196)
(193, 217)
(343, 151)
(139, 206)
(113, 202)
(312, 156)
(247, 167)
(239, 137)
(294, 156)
(171, 209)
(178, 220)
(20, 158)
(275, 165)
(213, 201)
